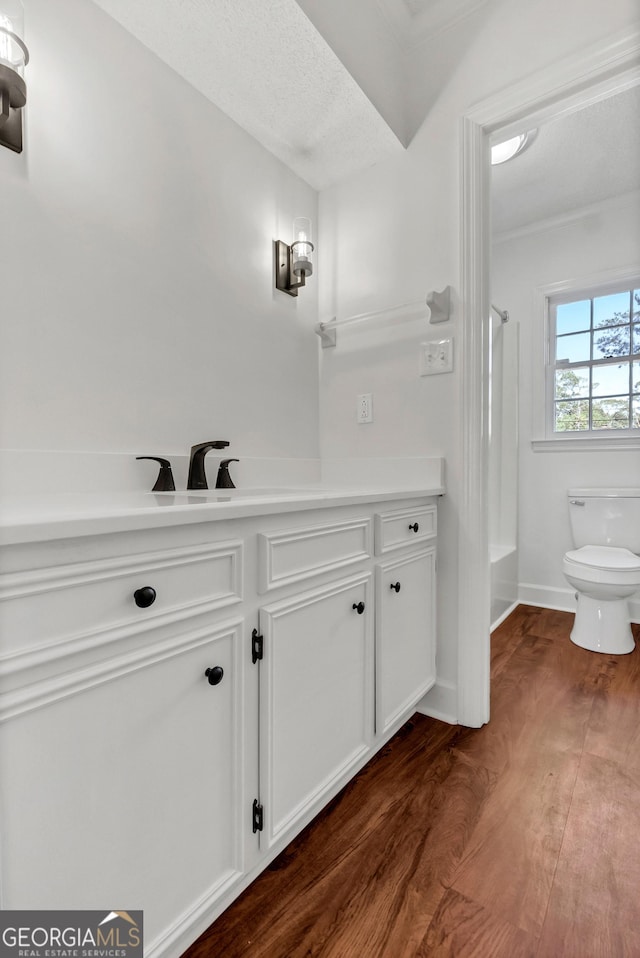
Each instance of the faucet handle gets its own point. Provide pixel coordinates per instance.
(164, 482)
(224, 480)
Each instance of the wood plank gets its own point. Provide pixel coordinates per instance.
(594, 908)
(541, 702)
(463, 927)
(510, 859)
(540, 712)
(614, 726)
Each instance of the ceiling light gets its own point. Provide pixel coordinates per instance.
(506, 150)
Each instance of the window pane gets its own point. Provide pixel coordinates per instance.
(610, 414)
(572, 317)
(597, 363)
(608, 310)
(612, 379)
(571, 416)
(573, 349)
(614, 341)
(572, 383)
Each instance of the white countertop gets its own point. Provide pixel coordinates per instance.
(37, 518)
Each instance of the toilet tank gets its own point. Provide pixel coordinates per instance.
(605, 517)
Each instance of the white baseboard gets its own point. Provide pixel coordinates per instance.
(505, 614)
(440, 702)
(549, 597)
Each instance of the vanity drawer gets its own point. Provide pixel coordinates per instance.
(294, 555)
(404, 527)
(46, 605)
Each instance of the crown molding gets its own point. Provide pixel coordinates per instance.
(568, 218)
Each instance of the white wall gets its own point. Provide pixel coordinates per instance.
(138, 308)
(393, 232)
(605, 238)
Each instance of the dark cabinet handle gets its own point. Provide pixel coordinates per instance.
(144, 597)
(215, 675)
(414, 527)
(359, 607)
(396, 586)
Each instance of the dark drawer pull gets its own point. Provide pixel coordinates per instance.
(396, 586)
(414, 527)
(359, 607)
(144, 597)
(215, 675)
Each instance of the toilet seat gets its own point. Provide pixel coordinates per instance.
(603, 564)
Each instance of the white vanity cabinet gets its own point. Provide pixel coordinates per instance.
(316, 698)
(121, 745)
(317, 666)
(405, 611)
(158, 756)
(126, 791)
(405, 635)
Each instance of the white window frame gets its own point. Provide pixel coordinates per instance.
(545, 439)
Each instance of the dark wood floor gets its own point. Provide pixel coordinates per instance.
(518, 839)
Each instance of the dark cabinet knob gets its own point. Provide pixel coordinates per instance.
(144, 597)
(414, 527)
(359, 607)
(215, 675)
(395, 586)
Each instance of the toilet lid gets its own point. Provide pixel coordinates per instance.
(605, 557)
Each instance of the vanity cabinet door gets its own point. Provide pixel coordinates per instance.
(405, 635)
(123, 788)
(316, 699)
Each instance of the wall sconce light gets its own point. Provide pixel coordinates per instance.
(14, 57)
(293, 263)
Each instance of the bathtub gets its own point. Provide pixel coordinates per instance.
(504, 582)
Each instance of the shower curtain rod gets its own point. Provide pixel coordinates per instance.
(502, 313)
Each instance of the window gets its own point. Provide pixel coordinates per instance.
(593, 372)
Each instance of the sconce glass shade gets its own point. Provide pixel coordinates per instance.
(301, 247)
(14, 57)
(13, 51)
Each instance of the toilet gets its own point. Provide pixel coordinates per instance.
(604, 569)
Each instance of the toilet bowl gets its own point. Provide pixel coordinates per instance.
(605, 568)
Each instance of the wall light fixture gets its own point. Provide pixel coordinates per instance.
(294, 263)
(14, 57)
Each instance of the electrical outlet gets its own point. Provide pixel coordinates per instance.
(364, 410)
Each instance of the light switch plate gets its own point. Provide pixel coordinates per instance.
(436, 356)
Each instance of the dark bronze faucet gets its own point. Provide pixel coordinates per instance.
(197, 476)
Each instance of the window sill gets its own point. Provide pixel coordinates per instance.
(587, 444)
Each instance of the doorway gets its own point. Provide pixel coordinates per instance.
(573, 84)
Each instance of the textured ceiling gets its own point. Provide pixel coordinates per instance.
(328, 99)
(267, 67)
(577, 160)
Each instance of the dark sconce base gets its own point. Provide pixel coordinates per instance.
(284, 279)
(13, 96)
